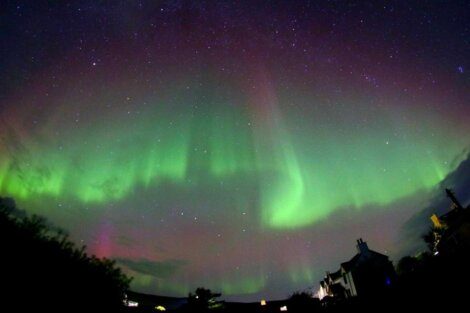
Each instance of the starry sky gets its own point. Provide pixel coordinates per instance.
(241, 146)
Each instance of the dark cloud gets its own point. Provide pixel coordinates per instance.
(158, 269)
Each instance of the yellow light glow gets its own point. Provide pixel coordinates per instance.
(160, 308)
(435, 220)
(263, 302)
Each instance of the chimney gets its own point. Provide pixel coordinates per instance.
(362, 247)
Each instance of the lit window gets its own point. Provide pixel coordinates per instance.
(132, 304)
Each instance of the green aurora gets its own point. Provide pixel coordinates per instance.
(302, 173)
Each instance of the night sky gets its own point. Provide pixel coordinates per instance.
(242, 146)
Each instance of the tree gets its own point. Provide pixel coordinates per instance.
(303, 301)
(203, 300)
(43, 270)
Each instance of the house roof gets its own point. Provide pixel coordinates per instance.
(335, 275)
(359, 258)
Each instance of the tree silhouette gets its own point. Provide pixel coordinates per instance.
(203, 300)
(407, 265)
(303, 301)
(44, 270)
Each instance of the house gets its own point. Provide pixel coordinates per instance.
(367, 273)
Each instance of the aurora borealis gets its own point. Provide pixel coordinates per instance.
(238, 146)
